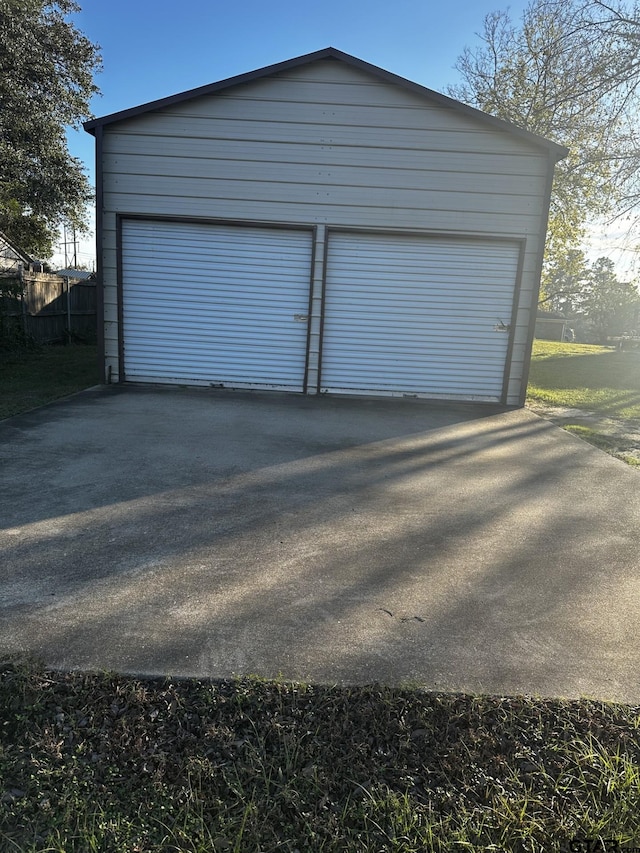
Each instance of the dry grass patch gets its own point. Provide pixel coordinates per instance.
(103, 763)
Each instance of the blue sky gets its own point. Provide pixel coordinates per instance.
(155, 48)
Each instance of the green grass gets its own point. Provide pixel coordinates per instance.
(596, 379)
(601, 382)
(33, 377)
(109, 763)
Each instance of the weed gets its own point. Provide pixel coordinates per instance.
(104, 762)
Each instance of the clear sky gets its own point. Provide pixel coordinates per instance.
(155, 48)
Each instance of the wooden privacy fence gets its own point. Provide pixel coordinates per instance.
(47, 308)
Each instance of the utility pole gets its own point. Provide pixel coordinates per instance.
(66, 243)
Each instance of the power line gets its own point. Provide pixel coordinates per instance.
(66, 243)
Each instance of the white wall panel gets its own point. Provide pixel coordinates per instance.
(361, 152)
(324, 192)
(357, 178)
(322, 132)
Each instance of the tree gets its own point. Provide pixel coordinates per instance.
(609, 306)
(565, 283)
(570, 72)
(592, 297)
(46, 82)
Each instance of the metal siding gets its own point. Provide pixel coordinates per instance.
(311, 208)
(228, 191)
(410, 315)
(363, 152)
(310, 175)
(467, 179)
(323, 132)
(219, 305)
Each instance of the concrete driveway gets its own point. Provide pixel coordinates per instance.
(336, 540)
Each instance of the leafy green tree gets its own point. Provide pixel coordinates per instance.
(46, 82)
(565, 282)
(610, 307)
(591, 297)
(569, 71)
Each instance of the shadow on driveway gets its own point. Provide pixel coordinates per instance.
(324, 539)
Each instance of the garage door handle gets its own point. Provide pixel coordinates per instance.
(301, 318)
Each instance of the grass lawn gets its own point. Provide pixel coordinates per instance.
(31, 378)
(108, 763)
(596, 379)
(601, 382)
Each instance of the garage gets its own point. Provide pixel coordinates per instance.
(214, 304)
(320, 225)
(423, 316)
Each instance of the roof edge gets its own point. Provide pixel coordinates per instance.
(210, 88)
(23, 256)
(555, 150)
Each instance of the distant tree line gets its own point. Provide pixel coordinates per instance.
(591, 296)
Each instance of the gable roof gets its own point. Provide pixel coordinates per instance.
(11, 251)
(555, 150)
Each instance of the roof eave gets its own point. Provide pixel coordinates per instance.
(556, 151)
(22, 256)
(209, 89)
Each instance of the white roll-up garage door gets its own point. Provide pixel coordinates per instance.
(417, 315)
(215, 304)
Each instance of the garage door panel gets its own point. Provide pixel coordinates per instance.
(251, 281)
(163, 371)
(224, 305)
(200, 344)
(161, 301)
(417, 315)
(229, 314)
(398, 310)
(410, 336)
(442, 350)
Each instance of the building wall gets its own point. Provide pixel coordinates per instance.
(326, 145)
(549, 329)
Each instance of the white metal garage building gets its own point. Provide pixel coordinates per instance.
(320, 225)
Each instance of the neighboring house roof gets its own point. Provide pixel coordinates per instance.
(549, 315)
(555, 150)
(10, 253)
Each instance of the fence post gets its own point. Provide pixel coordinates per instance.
(68, 309)
(23, 304)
